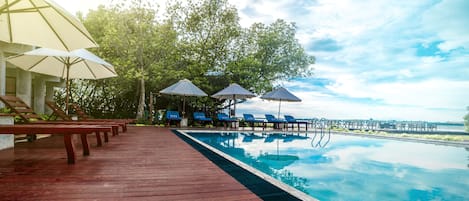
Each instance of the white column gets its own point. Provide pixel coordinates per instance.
(6, 141)
(23, 85)
(49, 96)
(39, 94)
(3, 73)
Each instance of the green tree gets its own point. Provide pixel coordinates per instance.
(137, 45)
(216, 51)
(198, 40)
(268, 53)
(206, 32)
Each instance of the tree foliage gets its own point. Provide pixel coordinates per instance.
(268, 53)
(198, 40)
(205, 32)
(138, 46)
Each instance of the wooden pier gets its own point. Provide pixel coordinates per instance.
(378, 125)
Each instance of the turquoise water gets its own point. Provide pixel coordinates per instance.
(340, 167)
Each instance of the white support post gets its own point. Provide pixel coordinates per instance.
(39, 94)
(6, 141)
(3, 75)
(23, 85)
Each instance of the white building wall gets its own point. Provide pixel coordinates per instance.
(39, 94)
(3, 73)
(23, 85)
(6, 141)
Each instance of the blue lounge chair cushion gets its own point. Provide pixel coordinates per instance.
(250, 118)
(200, 116)
(291, 119)
(271, 119)
(173, 115)
(225, 117)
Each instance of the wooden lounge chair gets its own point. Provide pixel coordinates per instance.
(83, 116)
(58, 113)
(201, 118)
(249, 118)
(272, 119)
(292, 121)
(66, 130)
(225, 119)
(173, 116)
(28, 116)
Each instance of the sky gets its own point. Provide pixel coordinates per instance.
(378, 59)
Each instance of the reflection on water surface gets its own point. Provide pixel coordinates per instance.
(340, 167)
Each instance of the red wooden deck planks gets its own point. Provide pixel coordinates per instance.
(146, 163)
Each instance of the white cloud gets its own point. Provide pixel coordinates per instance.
(422, 156)
(432, 93)
(378, 61)
(374, 71)
(264, 11)
(449, 19)
(430, 100)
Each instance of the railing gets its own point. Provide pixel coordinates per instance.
(375, 125)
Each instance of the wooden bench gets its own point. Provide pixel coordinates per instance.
(99, 141)
(114, 127)
(66, 130)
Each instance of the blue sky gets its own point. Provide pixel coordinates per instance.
(404, 60)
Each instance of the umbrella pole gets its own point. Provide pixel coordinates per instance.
(234, 109)
(279, 103)
(229, 108)
(183, 106)
(67, 89)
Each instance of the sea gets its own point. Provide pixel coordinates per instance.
(450, 127)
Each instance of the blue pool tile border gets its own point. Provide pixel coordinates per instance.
(257, 185)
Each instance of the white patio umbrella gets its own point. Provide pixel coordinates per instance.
(42, 23)
(232, 92)
(183, 88)
(280, 94)
(68, 65)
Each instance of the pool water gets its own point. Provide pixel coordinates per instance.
(343, 167)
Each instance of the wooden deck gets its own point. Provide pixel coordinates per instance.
(145, 163)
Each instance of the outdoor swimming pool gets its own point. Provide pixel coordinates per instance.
(343, 167)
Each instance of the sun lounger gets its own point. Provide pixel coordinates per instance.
(225, 119)
(292, 121)
(58, 113)
(83, 116)
(173, 116)
(28, 116)
(249, 118)
(66, 130)
(201, 118)
(272, 119)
